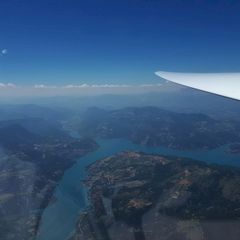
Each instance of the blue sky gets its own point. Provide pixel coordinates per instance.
(59, 42)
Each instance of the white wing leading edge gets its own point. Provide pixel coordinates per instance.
(224, 84)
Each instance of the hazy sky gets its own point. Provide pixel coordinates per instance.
(74, 42)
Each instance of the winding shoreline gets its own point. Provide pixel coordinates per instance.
(72, 194)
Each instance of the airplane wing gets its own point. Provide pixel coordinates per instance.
(224, 84)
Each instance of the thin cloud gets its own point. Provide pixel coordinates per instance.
(42, 86)
(112, 86)
(84, 85)
(81, 86)
(42, 90)
(76, 86)
(7, 85)
(150, 85)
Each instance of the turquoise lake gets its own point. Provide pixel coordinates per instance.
(59, 219)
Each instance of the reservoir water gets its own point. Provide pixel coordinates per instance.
(59, 218)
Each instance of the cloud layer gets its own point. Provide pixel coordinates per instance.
(84, 85)
(7, 85)
(41, 90)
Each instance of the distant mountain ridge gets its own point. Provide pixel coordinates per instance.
(153, 126)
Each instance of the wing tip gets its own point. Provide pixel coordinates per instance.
(160, 73)
(192, 80)
(165, 75)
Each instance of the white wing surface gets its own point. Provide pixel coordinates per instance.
(224, 84)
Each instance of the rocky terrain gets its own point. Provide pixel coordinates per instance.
(139, 196)
(31, 166)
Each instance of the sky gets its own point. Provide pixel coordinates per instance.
(105, 42)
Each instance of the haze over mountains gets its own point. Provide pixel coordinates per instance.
(180, 100)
